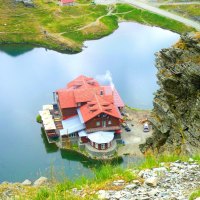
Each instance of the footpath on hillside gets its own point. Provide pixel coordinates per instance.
(153, 9)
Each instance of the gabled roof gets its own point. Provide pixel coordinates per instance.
(82, 82)
(84, 95)
(66, 98)
(83, 89)
(98, 106)
(113, 92)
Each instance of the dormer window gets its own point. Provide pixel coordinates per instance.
(78, 104)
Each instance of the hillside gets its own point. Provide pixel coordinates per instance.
(65, 28)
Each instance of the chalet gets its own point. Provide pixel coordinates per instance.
(66, 2)
(87, 114)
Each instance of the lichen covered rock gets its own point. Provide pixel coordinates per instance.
(176, 113)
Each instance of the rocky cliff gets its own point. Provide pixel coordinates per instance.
(176, 113)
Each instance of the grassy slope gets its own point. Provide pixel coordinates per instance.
(68, 27)
(145, 17)
(188, 11)
(104, 176)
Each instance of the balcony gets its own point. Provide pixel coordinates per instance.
(110, 128)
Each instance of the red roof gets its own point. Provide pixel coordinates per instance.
(113, 92)
(67, 1)
(82, 82)
(85, 89)
(99, 105)
(66, 98)
(84, 95)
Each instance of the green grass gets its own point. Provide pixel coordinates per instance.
(135, 109)
(146, 17)
(195, 194)
(189, 11)
(66, 28)
(103, 177)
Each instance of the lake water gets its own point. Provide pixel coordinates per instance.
(29, 76)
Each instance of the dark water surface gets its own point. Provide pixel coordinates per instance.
(29, 75)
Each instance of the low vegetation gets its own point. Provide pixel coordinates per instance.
(103, 177)
(146, 17)
(191, 11)
(66, 28)
(39, 119)
(195, 195)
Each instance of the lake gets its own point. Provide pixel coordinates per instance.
(30, 75)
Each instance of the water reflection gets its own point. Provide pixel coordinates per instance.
(15, 49)
(50, 148)
(28, 80)
(71, 155)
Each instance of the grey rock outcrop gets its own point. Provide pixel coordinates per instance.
(28, 3)
(177, 182)
(176, 113)
(40, 181)
(26, 182)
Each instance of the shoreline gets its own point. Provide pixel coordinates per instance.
(153, 174)
(65, 40)
(130, 140)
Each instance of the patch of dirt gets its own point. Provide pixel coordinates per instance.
(136, 136)
(93, 28)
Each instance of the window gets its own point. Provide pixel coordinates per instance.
(104, 123)
(97, 123)
(109, 122)
(72, 135)
(96, 145)
(103, 146)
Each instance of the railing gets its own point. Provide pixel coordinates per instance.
(110, 128)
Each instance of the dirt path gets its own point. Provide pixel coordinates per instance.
(153, 9)
(95, 23)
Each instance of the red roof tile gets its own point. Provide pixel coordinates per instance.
(113, 92)
(82, 82)
(66, 98)
(97, 106)
(80, 91)
(67, 1)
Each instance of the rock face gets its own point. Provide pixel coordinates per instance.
(28, 3)
(176, 113)
(26, 182)
(176, 183)
(40, 181)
